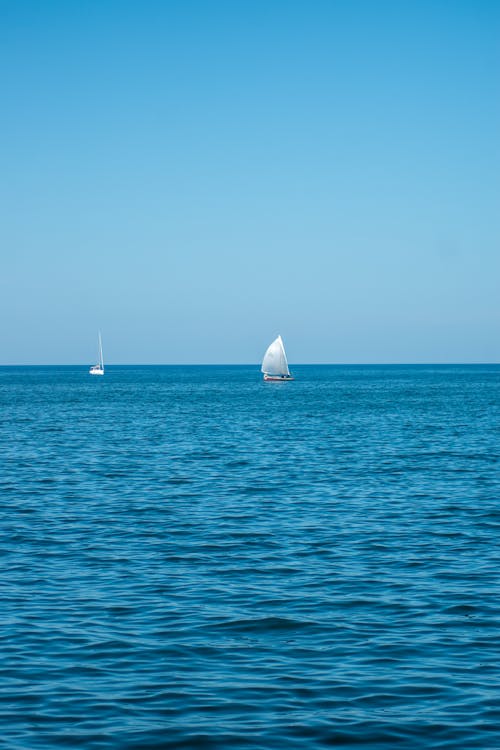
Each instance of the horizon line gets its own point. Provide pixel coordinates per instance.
(253, 364)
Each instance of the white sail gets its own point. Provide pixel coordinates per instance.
(274, 362)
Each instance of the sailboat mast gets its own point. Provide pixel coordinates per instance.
(100, 351)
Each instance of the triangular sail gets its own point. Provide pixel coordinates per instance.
(274, 362)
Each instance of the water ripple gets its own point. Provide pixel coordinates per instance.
(195, 559)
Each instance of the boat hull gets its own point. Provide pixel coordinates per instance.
(96, 371)
(278, 378)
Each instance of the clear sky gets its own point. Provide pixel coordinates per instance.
(196, 177)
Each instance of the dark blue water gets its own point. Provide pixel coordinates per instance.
(192, 558)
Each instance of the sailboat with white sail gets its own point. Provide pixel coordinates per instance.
(98, 369)
(274, 364)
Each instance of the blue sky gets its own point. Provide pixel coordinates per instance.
(195, 177)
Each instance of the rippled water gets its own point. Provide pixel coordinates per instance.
(192, 558)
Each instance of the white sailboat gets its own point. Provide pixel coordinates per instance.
(99, 368)
(274, 364)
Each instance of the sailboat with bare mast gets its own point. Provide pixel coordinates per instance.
(98, 369)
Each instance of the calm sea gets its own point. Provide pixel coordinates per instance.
(192, 558)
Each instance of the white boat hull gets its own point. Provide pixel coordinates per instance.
(96, 371)
(278, 378)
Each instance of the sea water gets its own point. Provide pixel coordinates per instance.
(193, 558)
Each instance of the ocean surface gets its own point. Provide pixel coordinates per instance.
(192, 558)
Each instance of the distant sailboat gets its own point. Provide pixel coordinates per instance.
(274, 364)
(99, 368)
